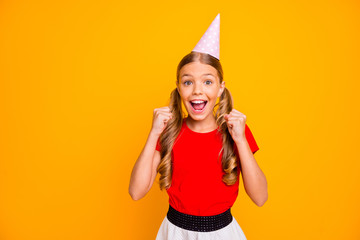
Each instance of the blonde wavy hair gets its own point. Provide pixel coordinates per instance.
(172, 130)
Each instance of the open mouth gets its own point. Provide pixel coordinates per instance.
(198, 106)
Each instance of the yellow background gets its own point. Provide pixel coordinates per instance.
(80, 79)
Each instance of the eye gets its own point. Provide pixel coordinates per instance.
(209, 82)
(187, 82)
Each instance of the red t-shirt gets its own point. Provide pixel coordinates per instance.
(197, 187)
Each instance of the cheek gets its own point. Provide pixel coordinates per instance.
(185, 94)
(213, 95)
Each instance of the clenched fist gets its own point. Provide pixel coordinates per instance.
(236, 124)
(160, 119)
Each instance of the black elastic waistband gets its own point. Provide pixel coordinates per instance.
(199, 223)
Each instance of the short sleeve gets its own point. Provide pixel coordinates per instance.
(158, 147)
(250, 139)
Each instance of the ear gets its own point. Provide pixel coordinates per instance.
(222, 88)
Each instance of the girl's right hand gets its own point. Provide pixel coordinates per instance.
(160, 119)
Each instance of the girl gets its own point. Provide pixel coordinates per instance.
(199, 156)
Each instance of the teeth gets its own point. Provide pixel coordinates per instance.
(197, 102)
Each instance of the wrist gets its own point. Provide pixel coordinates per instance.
(154, 133)
(240, 140)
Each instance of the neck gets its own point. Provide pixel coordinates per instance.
(204, 125)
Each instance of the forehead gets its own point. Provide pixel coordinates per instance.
(197, 69)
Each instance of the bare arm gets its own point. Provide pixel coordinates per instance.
(255, 183)
(144, 171)
(145, 168)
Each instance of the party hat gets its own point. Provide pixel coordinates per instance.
(210, 41)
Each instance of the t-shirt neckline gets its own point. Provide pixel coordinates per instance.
(200, 133)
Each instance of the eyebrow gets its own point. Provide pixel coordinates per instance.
(189, 75)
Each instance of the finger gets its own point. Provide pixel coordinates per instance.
(235, 111)
(157, 112)
(163, 110)
(228, 121)
(234, 122)
(227, 115)
(166, 115)
(236, 117)
(232, 118)
(230, 125)
(162, 118)
(169, 109)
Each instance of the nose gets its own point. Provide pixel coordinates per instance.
(197, 90)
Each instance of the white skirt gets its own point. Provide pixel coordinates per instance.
(169, 231)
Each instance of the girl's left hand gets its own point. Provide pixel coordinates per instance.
(236, 124)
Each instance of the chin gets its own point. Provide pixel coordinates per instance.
(198, 116)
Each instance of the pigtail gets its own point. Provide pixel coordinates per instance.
(167, 139)
(229, 163)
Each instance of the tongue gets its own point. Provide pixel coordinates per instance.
(199, 106)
